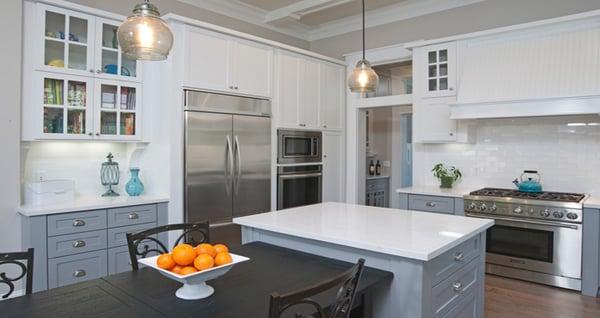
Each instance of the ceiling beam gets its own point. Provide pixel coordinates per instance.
(297, 10)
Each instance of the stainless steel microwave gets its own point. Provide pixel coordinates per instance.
(298, 146)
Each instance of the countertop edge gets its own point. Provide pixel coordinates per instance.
(74, 206)
(454, 193)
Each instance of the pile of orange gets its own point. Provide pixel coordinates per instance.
(186, 259)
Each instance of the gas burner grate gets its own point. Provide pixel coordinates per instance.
(546, 196)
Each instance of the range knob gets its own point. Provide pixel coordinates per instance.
(558, 214)
(472, 206)
(572, 216)
(493, 208)
(545, 213)
(482, 207)
(518, 210)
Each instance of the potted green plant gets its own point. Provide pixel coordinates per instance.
(447, 176)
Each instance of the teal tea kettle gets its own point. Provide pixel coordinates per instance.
(529, 182)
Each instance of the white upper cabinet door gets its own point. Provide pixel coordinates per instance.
(288, 82)
(110, 62)
(207, 61)
(252, 69)
(333, 169)
(309, 94)
(438, 71)
(330, 104)
(117, 110)
(431, 121)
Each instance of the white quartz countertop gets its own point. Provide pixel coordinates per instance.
(411, 234)
(456, 192)
(83, 203)
(593, 201)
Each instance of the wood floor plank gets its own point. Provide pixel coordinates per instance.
(509, 298)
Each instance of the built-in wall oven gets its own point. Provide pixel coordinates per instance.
(298, 146)
(299, 185)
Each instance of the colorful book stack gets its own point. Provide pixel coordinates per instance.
(53, 91)
(128, 98)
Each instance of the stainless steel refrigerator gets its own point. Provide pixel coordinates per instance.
(227, 160)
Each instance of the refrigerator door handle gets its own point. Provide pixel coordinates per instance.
(238, 153)
(229, 166)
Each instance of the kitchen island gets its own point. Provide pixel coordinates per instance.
(438, 261)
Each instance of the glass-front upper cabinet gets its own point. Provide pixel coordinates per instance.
(117, 115)
(65, 105)
(111, 63)
(67, 41)
(440, 63)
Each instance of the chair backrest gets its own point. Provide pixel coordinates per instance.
(26, 270)
(193, 233)
(347, 282)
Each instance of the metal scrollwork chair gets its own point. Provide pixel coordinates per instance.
(348, 282)
(26, 270)
(193, 233)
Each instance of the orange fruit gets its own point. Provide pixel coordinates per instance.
(203, 261)
(183, 254)
(176, 269)
(206, 248)
(223, 258)
(187, 270)
(165, 261)
(220, 248)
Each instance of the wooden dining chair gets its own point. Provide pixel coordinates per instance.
(347, 282)
(193, 233)
(18, 259)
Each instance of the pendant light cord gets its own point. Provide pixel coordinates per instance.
(363, 28)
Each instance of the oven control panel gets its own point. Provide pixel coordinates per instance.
(523, 211)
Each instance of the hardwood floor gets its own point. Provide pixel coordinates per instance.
(508, 298)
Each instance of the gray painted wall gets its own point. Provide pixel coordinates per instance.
(476, 17)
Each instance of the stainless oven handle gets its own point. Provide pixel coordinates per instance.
(298, 176)
(569, 226)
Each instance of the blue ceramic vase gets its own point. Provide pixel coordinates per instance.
(134, 187)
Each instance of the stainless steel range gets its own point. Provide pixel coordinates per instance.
(536, 237)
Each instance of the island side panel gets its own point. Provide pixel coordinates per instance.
(403, 299)
(481, 294)
(591, 249)
(34, 232)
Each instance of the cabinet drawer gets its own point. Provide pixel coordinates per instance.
(118, 259)
(431, 204)
(116, 236)
(76, 243)
(132, 215)
(444, 265)
(376, 185)
(465, 308)
(69, 223)
(452, 291)
(76, 268)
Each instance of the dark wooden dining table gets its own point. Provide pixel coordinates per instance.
(243, 292)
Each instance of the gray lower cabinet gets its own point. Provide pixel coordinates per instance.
(590, 271)
(431, 203)
(377, 192)
(78, 246)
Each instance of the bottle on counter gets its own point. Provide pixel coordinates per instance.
(371, 169)
(378, 168)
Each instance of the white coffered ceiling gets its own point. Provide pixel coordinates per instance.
(316, 19)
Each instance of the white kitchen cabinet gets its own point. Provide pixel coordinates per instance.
(222, 63)
(288, 90)
(331, 102)
(310, 90)
(437, 69)
(431, 122)
(333, 168)
(117, 110)
(110, 62)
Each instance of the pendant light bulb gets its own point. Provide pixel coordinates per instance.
(363, 78)
(144, 35)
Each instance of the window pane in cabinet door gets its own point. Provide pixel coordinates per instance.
(77, 57)
(128, 97)
(444, 69)
(108, 123)
(55, 25)
(108, 98)
(443, 55)
(432, 85)
(109, 36)
(76, 121)
(432, 57)
(76, 94)
(127, 124)
(53, 120)
(432, 71)
(53, 91)
(54, 53)
(78, 29)
(110, 62)
(128, 67)
(443, 83)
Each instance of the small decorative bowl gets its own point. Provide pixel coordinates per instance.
(194, 285)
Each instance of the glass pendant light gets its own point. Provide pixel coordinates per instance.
(363, 78)
(144, 35)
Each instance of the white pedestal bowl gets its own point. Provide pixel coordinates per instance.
(194, 285)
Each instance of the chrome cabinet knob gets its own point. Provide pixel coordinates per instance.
(79, 273)
(235, 87)
(98, 71)
(78, 243)
(518, 210)
(77, 223)
(459, 256)
(457, 286)
(231, 87)
(431, 204)
(91, 70)
(133, 216)
(451, 88)
(97, 134)
(90, 134)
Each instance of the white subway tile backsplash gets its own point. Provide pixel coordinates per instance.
(565, 150)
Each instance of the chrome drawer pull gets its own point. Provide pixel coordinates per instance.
(77, 223)
(79, 273)
(133, 216)
(459, 256)
(79, 243)
(457, 286)
(431, 204)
